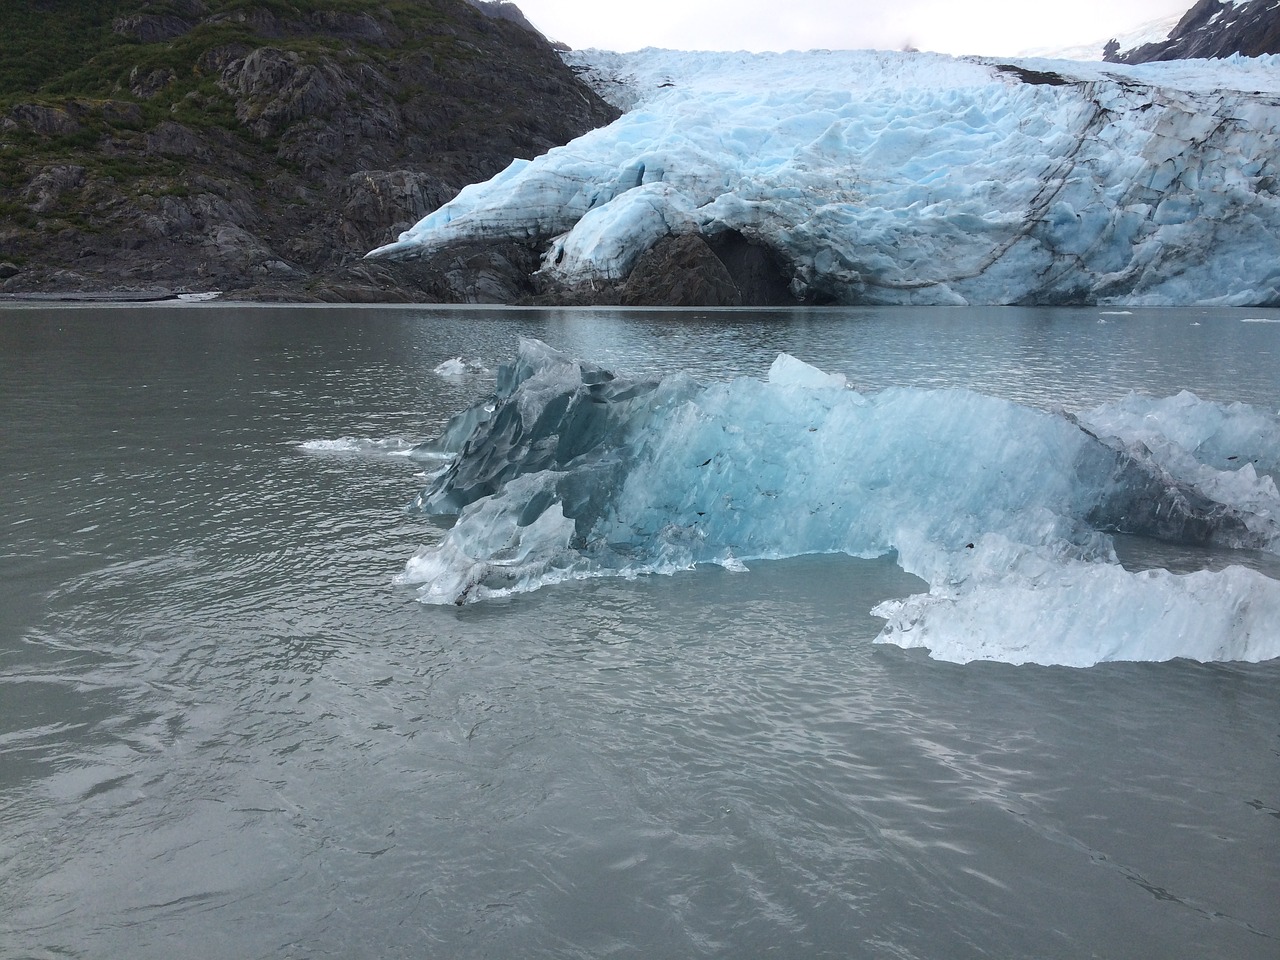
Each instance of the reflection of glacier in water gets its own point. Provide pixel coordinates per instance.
(572, 471)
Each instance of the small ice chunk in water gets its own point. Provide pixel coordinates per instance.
(459, 367)
(787, 371)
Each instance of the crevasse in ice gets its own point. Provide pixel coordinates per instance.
(914, 178)
(572, 471)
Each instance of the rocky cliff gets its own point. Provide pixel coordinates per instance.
(260, 147)
(1212, 29)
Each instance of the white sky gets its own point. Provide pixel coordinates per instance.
(993, 27)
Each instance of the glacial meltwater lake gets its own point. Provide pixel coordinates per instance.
(228, 730)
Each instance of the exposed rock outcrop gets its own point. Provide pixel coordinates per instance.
(463, 273)
(689, 270)
(681, 271)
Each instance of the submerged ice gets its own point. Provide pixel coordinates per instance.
(913, 178)
(1005, 511)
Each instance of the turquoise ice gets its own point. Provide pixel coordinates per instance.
(572, 471)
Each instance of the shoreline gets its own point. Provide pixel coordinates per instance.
(111, 296)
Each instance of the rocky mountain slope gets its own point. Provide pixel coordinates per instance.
(1210, 30)
(260, 147)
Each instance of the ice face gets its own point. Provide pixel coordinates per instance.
(572, 471)
(1230, 452)
(1083, 614)
(915, 178)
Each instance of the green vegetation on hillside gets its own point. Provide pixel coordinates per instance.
(43, 38)
(68, 55)
(57, 49)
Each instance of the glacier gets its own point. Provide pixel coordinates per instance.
(1006, 512)
(911, 178)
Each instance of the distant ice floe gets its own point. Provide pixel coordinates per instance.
(571, 471)
(460, 367)
(391, 446)
(917, 178)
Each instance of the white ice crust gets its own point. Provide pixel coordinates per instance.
(1082, 614)
(914, 178)
(1001, 509)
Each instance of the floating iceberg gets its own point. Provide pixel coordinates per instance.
(458, 367)
(390, 446)
(913, 178)
(571, 471)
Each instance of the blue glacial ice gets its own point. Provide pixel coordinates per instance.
(572, 471)
(913, 178)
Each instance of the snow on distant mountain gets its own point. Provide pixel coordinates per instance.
(875, 177)
(1153, 31)
(1211, 29)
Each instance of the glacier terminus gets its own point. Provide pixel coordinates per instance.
(911, 178)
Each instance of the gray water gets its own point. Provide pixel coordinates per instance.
(225, 731)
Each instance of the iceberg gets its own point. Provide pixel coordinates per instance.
(570, 471)
(912, 178)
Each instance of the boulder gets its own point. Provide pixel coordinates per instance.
(174, 140)
(151, 28)
(146, 84)
(44, 192)
(48, 121)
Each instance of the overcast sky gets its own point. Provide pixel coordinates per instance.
(994, 27)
